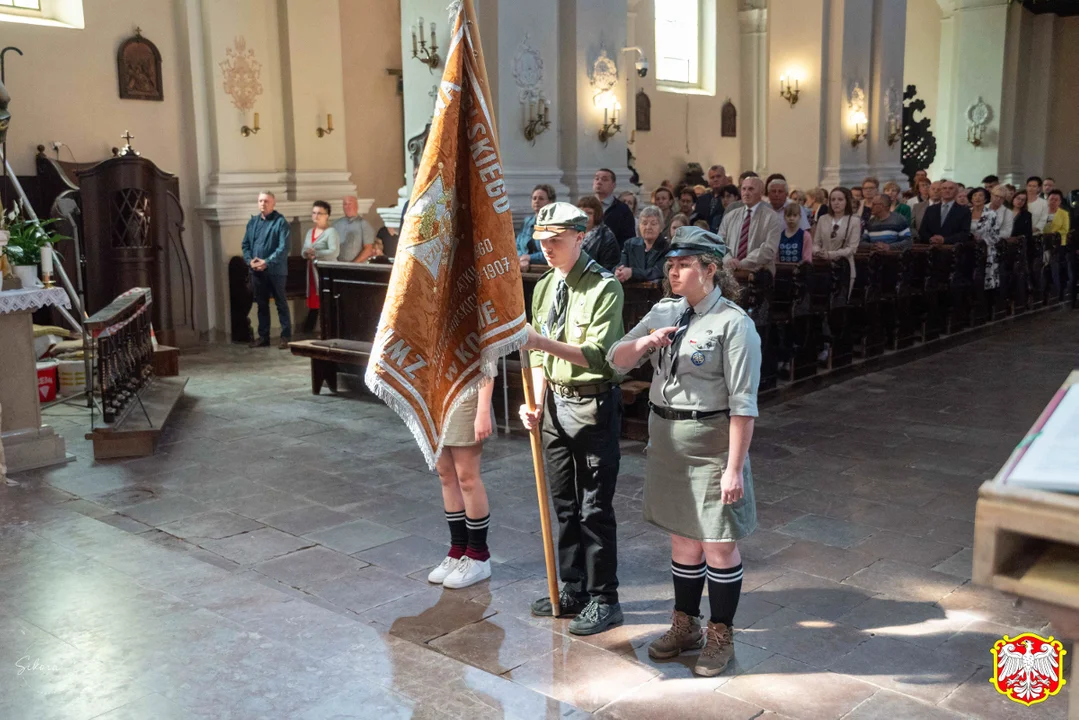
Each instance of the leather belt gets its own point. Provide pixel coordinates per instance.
(671, 414)
(581, 391)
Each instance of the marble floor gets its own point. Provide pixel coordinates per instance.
(270, 562)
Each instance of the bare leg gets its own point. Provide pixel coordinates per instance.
(685, 551)
(451, 489)
(722, 554)
(466, 466)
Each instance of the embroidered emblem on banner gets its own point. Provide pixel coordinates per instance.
(1028, 668)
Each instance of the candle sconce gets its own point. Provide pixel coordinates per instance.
(788, 93)
(539, 118)
(245, 130)
(861, 127)
(895, 131)
(329, 126)
(610, 124)
(426, 55)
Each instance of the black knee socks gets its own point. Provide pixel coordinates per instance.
(688, 587)
(458, 533)
(724, 589)
(477, 537)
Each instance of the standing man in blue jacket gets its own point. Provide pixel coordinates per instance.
(265, 250)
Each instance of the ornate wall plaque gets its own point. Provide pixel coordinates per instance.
(138, 67)
(728, 120)
(241, 71)
(528, 71)
(644, 111)
(603, 75)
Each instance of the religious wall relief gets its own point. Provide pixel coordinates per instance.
(728, 120)
(241, 72)
(138, 67)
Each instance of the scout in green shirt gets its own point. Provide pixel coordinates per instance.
(576, 318)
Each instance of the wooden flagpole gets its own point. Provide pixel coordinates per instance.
(541, 488)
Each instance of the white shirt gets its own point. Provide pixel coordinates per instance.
(1039, 214)
(1005, 220)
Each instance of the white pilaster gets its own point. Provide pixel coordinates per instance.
(753, 110)
(886, 88)
(848, 52)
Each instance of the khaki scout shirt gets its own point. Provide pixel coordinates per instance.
(719, 360)
(593, 321)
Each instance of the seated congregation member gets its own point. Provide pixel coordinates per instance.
(886, 231)
(599, 242)
(985, 227)
(750, 232)
(1036, 204)
(630, 199)
(463, 495)
(710, 205)
(779, 199)
(528, 250)
(795, 244)
(999, 205)
(576, 319)
(891, 189)
(679, 220)
(839, 231)
(687, 204)
(663, 199)
(616, 214)
(817, 204)
(1023, 225)
(322, 243)
(1058, 220)
(870, 189)
(642, 257)
(705, 356)
(920, 209)
(797, 196)
(947, 222)
(963, 198)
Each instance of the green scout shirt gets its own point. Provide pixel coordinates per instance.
(593, 321)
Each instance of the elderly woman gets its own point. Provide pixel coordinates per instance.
(663, 198)
(528, 250)
(322, 243)
(816, 203)
(985, 227)
(893, 191)
(705, 355)
(643, 256)
(999, 205)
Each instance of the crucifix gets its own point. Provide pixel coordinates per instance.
(127, 149)
(128, 136)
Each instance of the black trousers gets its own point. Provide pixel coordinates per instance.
(580, 442)
(267, 286)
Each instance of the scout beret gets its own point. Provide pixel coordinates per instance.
(558, 217)
(692, 240)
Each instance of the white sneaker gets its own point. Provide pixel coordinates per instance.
(468, 572)
(444, 569)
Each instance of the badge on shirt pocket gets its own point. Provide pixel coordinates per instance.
(697, 358)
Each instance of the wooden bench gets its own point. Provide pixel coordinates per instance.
(326, 355)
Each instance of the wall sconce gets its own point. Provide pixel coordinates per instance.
(539, 118)
(974, 135)
(978, 117)
(427, 56)
(610, 124)
(895, 131)
(788, 93)
(245, 131)
(861, 127)
(329, 126)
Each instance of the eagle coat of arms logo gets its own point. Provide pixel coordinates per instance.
(1028, 668)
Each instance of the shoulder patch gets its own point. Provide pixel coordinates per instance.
(734, 305)
(598, 269)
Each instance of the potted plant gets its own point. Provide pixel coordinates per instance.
(26, 238)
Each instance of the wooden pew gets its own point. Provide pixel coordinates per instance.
(868, 325)
(1004, 301)
(981, 298)
(960, 283)
(841, 348)
(1039, 272)
(756, 301)
(1019, 289)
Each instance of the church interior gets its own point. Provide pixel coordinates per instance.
(204, 513)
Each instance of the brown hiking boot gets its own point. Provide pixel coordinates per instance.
(685, 634)
(718, 651)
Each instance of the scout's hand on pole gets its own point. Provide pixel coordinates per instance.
(530, 416)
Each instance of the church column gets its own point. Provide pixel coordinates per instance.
(886, 83)
(847, 86)
(973, 52)
(753, 123)
(592, 34)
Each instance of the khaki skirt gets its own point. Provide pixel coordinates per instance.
(682, 493)
(461, 431)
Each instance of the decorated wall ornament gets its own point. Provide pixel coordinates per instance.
(893, 104)
(138, 68)
(979, 115)
(602, 76)
(241, 72)
(859, 119)
(528, 71)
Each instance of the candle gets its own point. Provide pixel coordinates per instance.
(433, 43)
(46, 259)
(605, 116)
(256, 122)
(546, 110)
(421, 28)
(531, 110)
(414, 51)
(329, 121)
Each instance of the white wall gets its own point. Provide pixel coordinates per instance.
(921, 61)
(687, 127)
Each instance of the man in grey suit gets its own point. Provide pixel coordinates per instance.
(920, 208)
(751, 231)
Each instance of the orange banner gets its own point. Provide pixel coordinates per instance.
(455, 303)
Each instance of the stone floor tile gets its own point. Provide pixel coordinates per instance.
(762, 544)
(811, 594)
(404, 556)
(256, 546)
(897, 546)
(306, 519)
(165, 510)
(960, 564)
(655, 701)
(214, 525)
(974, 642)
(893, 577)
(304, 568)
(829, 531)
(822, 560)
(977, 698)
(980, 603)
(153, 706)
(886, 705)
(895, 665)
(428, 614)
(266, 502)
(499, 643)
(357, 535)
(365, 589)
(796, 690)
(915, 622)
(681, 668)
(800, 636)
(569, 674)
